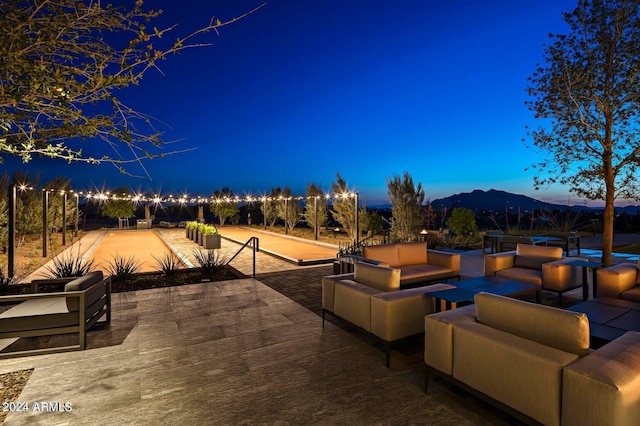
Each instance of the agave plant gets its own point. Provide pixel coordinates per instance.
(5, 281)
(168, 264)
(123, 268)
(69, 265)
(209, 260)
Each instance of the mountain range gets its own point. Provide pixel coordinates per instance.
(495, 200)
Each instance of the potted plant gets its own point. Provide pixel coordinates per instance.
(200, 227)
(190, 229)
(211, 238)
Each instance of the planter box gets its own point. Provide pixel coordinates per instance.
(213, 241)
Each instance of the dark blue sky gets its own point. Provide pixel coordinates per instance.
(301, 90)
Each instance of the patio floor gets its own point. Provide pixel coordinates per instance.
(240, 352)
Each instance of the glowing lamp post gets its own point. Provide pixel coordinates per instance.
(11, 252)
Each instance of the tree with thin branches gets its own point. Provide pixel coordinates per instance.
(406, 207)
(63, 65)
(587, 96)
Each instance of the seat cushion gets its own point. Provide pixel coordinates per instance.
(383, 279)
(532, 276)
(36, 314)
(632, 295)
(417, 273)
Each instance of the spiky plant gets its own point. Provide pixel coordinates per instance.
(168, 264)
(209, 260)
(5, 281)
(123, 268)
(69, 265)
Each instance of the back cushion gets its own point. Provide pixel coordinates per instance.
(532, 262)
(84, 282)
(564, 330)
(543, 251)
(387, 253)
(383, 279)
(412, 253)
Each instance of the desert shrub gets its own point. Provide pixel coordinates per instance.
(68, 265)
(209, 260)
(5, 281)
(123, 268)
(168, 264)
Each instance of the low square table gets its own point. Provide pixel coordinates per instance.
(465, 290)
(609, 318)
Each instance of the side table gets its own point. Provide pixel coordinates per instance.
(586, 264)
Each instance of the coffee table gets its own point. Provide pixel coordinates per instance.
(609, 318)
(465, 290)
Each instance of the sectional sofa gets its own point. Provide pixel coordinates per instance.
(417, 264)
(534, 362)
(371, 298)
(541, 265)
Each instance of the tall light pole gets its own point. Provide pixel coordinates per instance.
(264, 213)
(315, 209)
(286, 215)
(357, 227)
(64, 218)
(45, 207)
(11, 252)
(77, 213)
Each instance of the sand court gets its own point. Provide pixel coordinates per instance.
(141, 245)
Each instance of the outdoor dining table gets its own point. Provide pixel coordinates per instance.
(495, 240)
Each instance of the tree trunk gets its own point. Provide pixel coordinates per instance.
(607, 233)
(609, 208)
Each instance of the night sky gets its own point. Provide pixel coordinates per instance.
(300, 90)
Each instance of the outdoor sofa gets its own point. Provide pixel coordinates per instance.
(534, 362)
(417, 264)
(76, 309)
(371, 299)
(621, 281)
(540, 265)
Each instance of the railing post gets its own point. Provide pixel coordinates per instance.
(255, 249)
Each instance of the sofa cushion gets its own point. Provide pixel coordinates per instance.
(80, 284)
(531, 276)
(84, 282)
(412, 253)
(544, 251)
(632, 295)
(532, 262)
(383, 279)
(549, 326)
(37, 314)
(418, 273)
(387, 253)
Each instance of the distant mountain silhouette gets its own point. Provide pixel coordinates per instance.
(494, 200)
